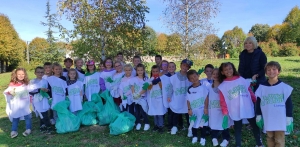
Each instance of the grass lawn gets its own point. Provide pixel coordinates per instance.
(99, 135)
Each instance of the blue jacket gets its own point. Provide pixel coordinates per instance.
(257, 64)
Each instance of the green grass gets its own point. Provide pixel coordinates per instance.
(99, 135)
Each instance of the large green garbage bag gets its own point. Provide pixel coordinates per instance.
(109, 111)
(67, 121)
(124, 123)
(98, 101)
(88, 113)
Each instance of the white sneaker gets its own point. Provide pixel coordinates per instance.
(194, 140)
(174, 130)
(52, 121)
(215, 142)
(27, 132)
(138, 126)
(202, 141)
(13, 134)
(146, 127)
(190, 133)
(224, 143)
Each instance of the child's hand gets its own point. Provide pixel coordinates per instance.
(190, 112)
(169, 99)
(254, 77)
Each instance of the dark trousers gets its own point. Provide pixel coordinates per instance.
(45, 120)
(180, 119)
(138, 112)
(225, 134)
(238, 131)
(202, 132)
(129, 108)
(170, 118)
(176, 118)
(50, 114)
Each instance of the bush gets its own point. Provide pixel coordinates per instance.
(289, 49)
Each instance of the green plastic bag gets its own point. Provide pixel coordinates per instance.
(98, 101)
(67, 121)
(109, 111)
(88, 113)
(124, 123)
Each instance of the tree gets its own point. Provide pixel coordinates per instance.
(291, 33)
(151, 41)
(11, 46)
(99, 24)
(38, 51)
(234, 41)
(162, 40)
(260, 31)
(190, 19)
(211, 46)
(174, 44)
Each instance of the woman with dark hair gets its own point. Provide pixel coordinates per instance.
(252, 62)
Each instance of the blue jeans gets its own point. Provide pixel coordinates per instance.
(15, 122)
(138, 112)
(238, 131)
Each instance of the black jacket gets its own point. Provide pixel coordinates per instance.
(257, 64)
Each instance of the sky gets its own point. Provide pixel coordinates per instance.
(26, 15)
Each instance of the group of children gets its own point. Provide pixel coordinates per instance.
(212, 104)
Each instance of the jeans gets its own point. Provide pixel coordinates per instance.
(202, 131)
(45, 120)
(180, 120)
(159, 120)
(138, 112)
(129, 108)
(225, 134)
(15, 122)
(238, 131)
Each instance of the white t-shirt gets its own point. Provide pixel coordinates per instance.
(105, 75)
(75, 92)
(40, 103)
(92, 85)
(115, 85)
(58, 89)
(125, 90)
(155, 101)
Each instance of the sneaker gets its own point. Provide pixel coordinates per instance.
(43, 129)
(174, 130)
(13, 134)
(155, 128)
(190, 133)
(52, 121)
(146, 127)
(160, 129)
(215, 142)
(138, 126)
(202, 141)
(224, 143)
(27, 132)
(194, 140)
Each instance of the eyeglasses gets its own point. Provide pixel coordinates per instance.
(39, 72)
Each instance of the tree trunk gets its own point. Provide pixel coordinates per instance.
(1, 66)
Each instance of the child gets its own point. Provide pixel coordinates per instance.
(116, 83)
(107, 74)
(38, 86)
(164, 67)
(215, 113)
(18, 101)
(274, 106)
(208, 72)
(121, 58)
(91, 81)
(58, 87)
(177, 94)
(158, 59)
(236, 101)
(48, 70)
(78, 67)
(68, 62)
(125, 90)
(155, 101)
(140, 104)
(136, 60)
(75, 91)
(196, 96)
(101, 67)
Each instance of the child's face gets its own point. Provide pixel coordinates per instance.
(136, 61)
(215, 75)
(171, 68)
(120, 57)
(157, 60)
(108, 64)
(164, 66)
(39, 73)
(79, 64)
(184, 67)
(68, 64)
(140, 71)
(272, 72)
(57, 70)
(47, 69)
(118, 67)
(227, 71)
(91, 68)
(208, 72)
(155, 71)
(127, 71)
(101, 67)
(72, 75)
(194, 79)
(20, 75)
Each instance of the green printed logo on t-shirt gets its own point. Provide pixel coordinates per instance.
(74, 91)
(214, 104)
(92, 82)
(168, 87)
(271, 99)
(126, 89)
(136, 88)
(156, 93)
(235, 91)
(181, 91)
(58, 90)
(197, 103)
